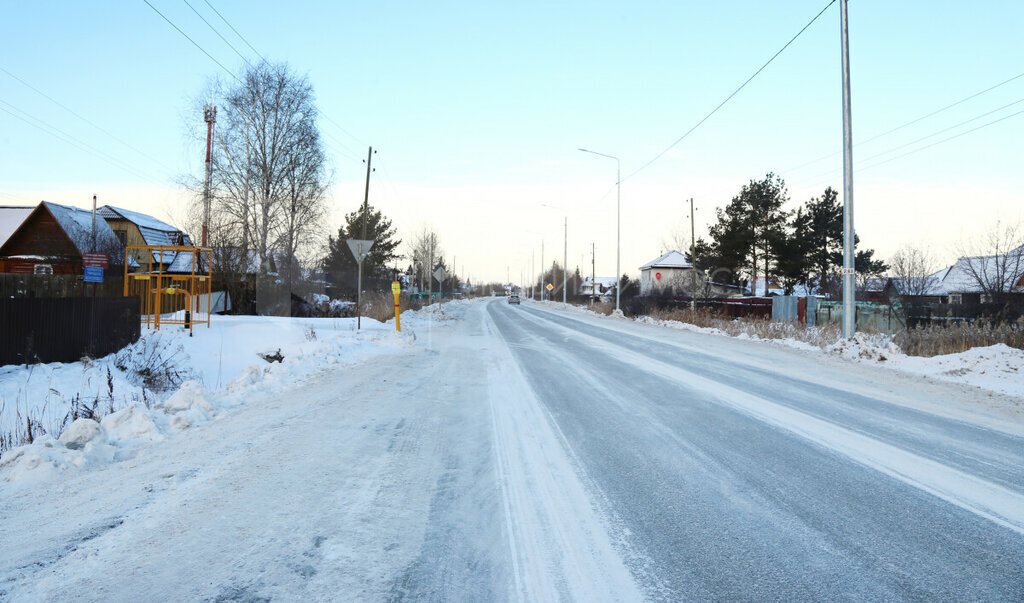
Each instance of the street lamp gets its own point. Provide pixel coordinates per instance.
(618, 222)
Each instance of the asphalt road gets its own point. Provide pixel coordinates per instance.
(733, 481)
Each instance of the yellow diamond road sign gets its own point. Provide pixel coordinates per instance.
(550, 287)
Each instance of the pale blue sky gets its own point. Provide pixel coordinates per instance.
(477, 109)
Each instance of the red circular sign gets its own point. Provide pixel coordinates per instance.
(657, 275)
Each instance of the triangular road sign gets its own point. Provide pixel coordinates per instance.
(360, 248)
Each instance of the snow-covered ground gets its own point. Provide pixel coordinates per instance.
(168, 381)
(998, 368)
(495, 452)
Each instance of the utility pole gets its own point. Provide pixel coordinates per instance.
(593, 271)
(210, 116)
(693, 260)
(542, 271)
(93, 224)
(565, 268)
(359, 281)
(849, 275)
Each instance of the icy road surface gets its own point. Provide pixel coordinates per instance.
(523, 453)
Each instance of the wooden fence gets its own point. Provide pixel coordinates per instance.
(60, 285)
(64, 329)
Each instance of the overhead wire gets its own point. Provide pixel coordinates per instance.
(913, 121)
(81, 117)
(59, 134)
(991, 123)
(226, 22)
(214, 30)
(730, 97)
(194, 43)
(923, 138)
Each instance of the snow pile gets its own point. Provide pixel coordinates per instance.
(998, 368)
(876, 347)
(105, 409)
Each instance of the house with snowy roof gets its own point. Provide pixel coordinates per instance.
(11, 217)
(134, 228)
(53, 238)
(594, 286)
(972, 279)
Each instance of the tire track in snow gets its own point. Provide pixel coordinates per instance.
(560, 545)
(979, 496)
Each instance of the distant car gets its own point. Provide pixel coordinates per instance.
(513, 299)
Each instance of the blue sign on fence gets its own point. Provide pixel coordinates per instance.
(93, 274)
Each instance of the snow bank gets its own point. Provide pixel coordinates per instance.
(998, 368)
(106, 409)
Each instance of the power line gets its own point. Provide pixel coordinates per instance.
(235, 30)
(253, 48)
(991, 123)
(91, 123)
(923, 138)
(913, 121)
(212, 28)
(201, 49)
(944, 130)
(69, 139)
(734, 93)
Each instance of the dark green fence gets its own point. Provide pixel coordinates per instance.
(65, 329)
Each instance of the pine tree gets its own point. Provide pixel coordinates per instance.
(341, 265)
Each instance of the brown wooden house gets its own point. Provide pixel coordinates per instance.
(134, 228)
(52, 239)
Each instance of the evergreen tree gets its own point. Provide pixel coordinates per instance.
(752, 226)
(824, 232)
(340, 264)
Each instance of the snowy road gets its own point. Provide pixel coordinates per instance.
(520, 453)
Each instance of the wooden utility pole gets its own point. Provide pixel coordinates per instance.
(359, 280)
(693, 260)
(593, 272)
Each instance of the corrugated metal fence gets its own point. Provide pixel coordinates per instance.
(64, 329)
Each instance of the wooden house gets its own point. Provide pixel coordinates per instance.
(134, 228)
(52, 239)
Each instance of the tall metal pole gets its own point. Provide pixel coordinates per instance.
(693, 260)
(618, 230)
(593, 271)
(210, 116)
(565, 268)
(849, 280)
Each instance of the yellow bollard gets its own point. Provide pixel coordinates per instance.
(396, 288)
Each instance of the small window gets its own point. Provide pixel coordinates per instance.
(955, 298)
(42, 269)
(122, 235)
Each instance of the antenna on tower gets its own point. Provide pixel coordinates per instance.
(210, 116)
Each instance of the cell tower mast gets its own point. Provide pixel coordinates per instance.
(210, 116)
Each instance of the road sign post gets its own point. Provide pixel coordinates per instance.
(439, 274)
(396, 289)
(360, 249)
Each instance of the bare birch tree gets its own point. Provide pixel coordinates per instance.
(995, 261)
(269, 168)
(914, 268)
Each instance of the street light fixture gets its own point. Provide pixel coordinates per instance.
(618, 222)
